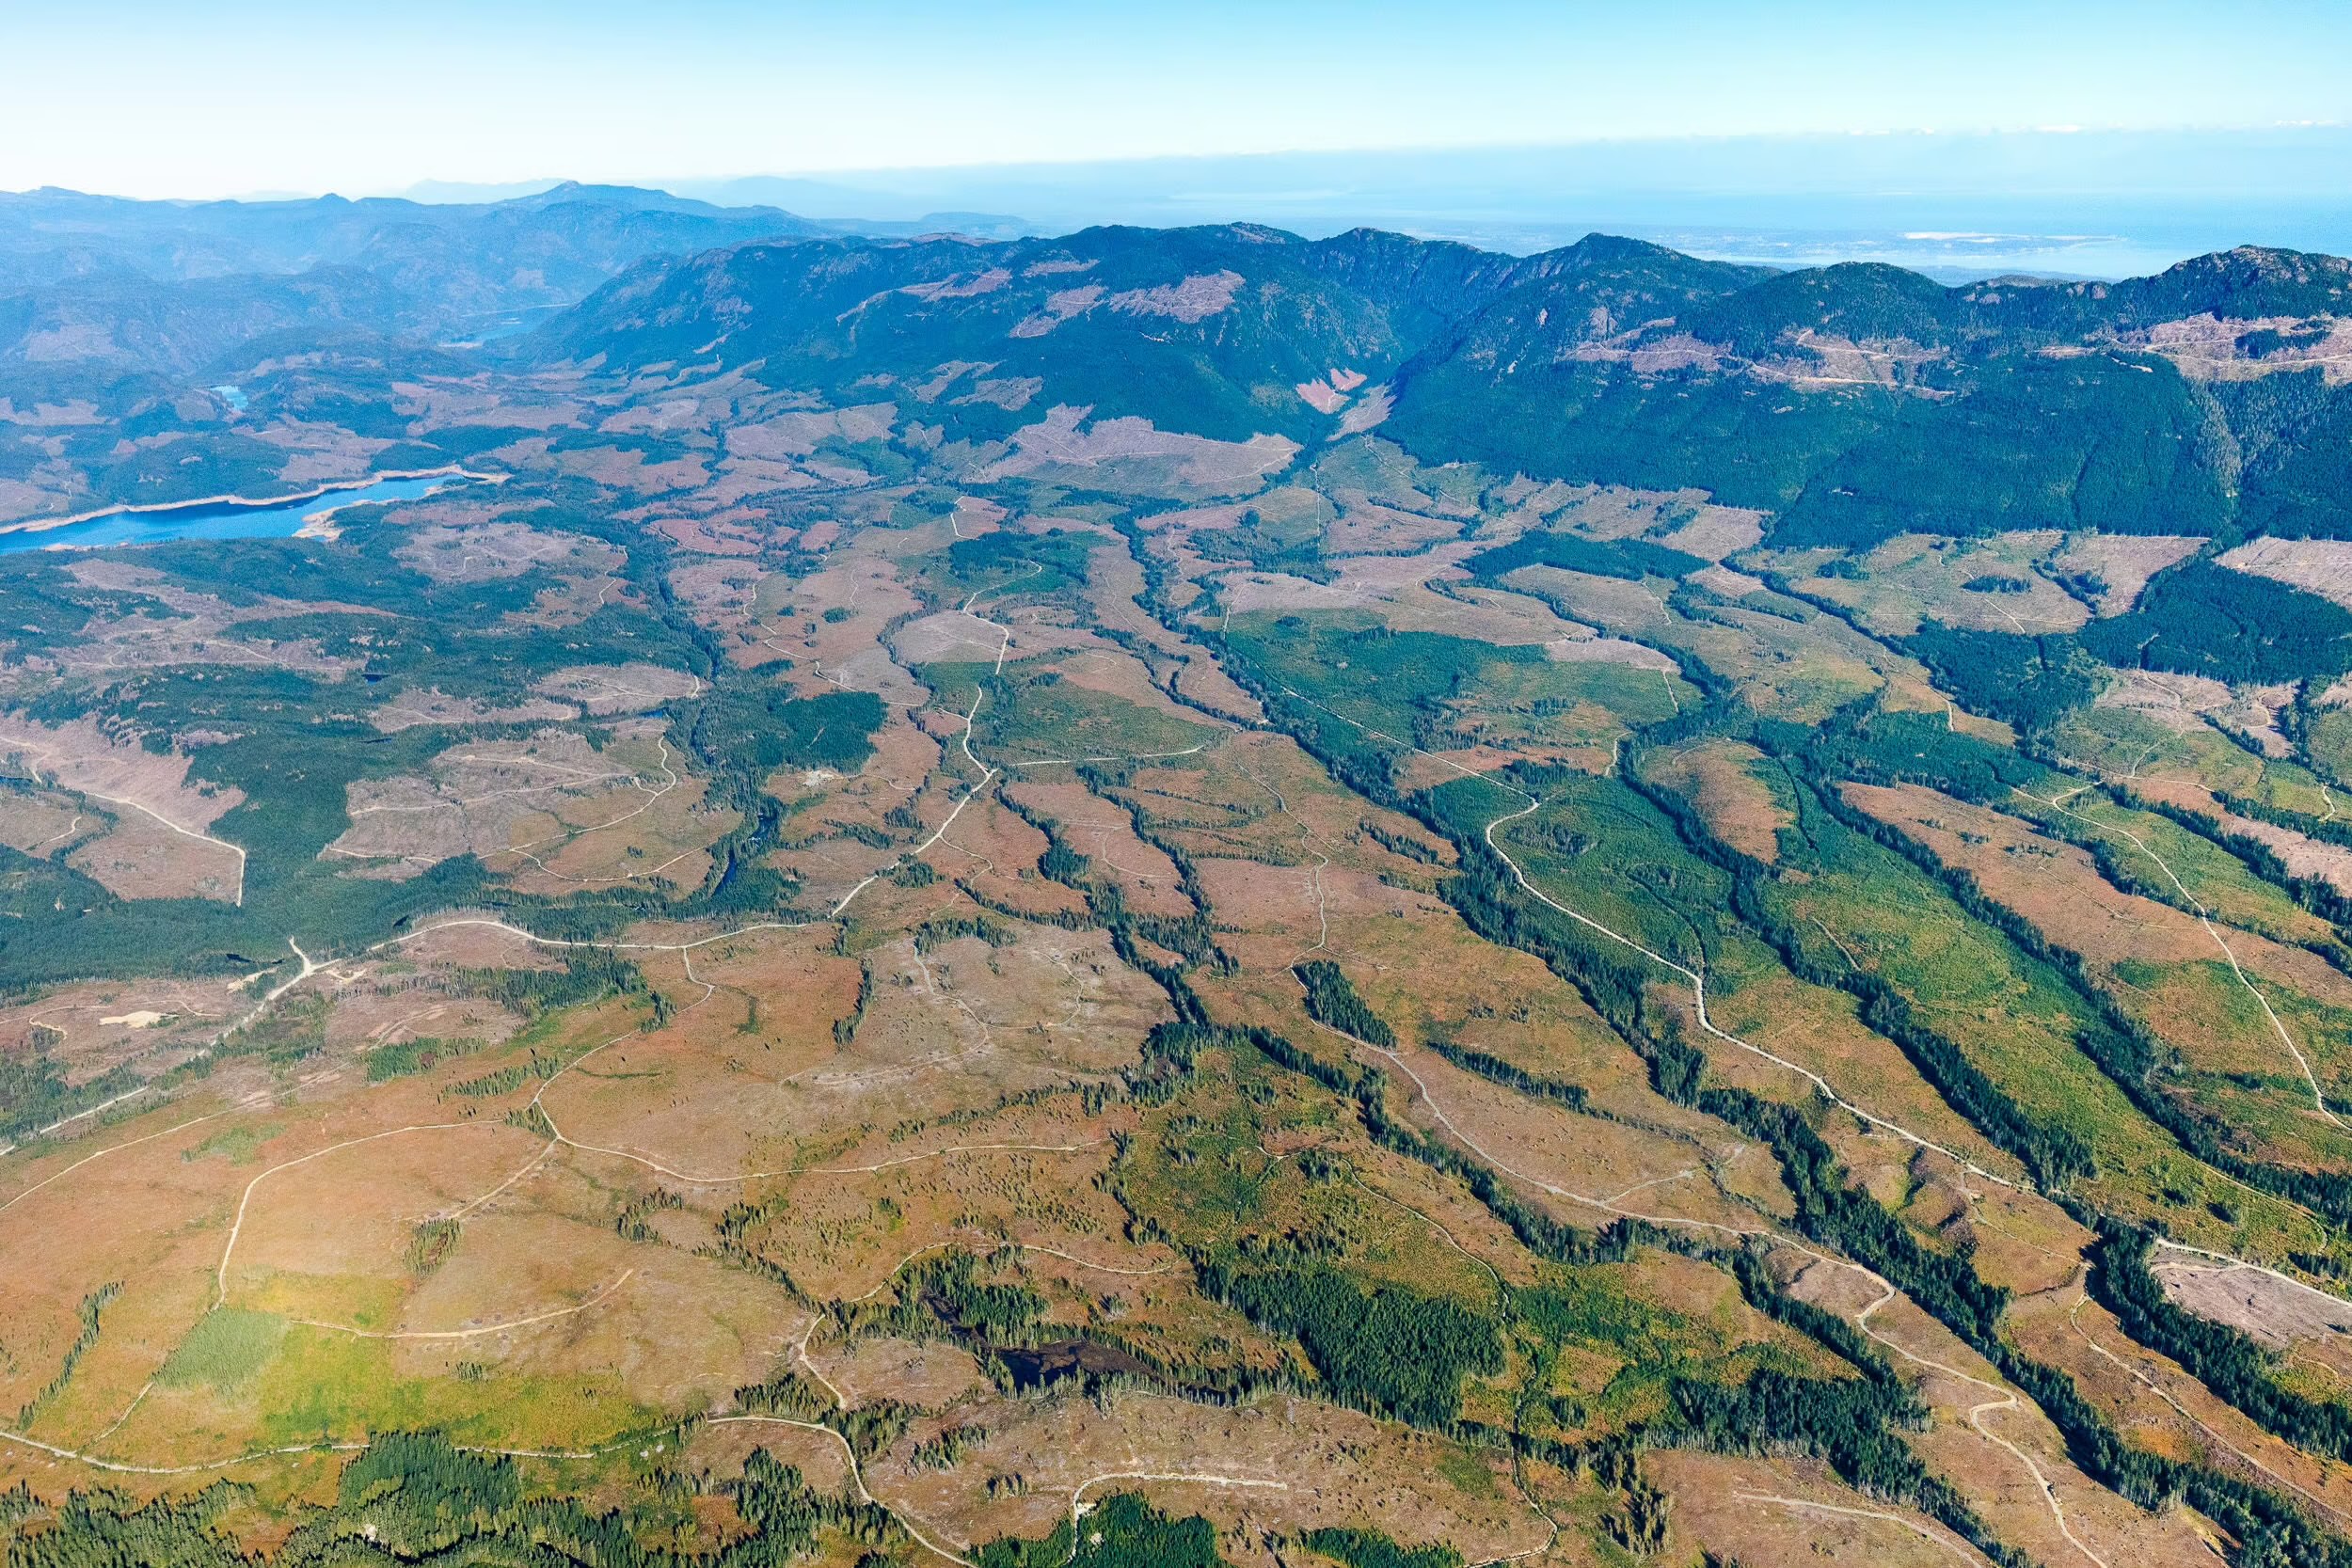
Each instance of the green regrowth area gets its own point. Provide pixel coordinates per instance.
(2044, 990)
(1332, 999)
(2238, 1369)
(1019, 563)
(1847, 1427)
(226, 1351)
(1030, 715)
(1290, 544)
(749, 726)
(1391, 1350)
(1330, 673)
(1369, 1548)
(1629, 559)
(415, 1498)
(2030, 682)
(2206, 620)
(1122, 1531)
(1612, 855)
(2032, 983)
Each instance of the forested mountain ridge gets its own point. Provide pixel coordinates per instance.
(1854, 397)
(1205, 331)
(1842, 397)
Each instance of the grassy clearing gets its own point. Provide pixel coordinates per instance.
(1784, 658)
(1202, 1169)
(2233, 1069)
(240, 1144)
(1035, 713)
(225, 1351)
(322, 1384)
(1868, 906)
(1573, 704)
(2121, 746)
(1742, 798)
(2214, 877)
(1982, 584)
(1444, 693)
(2327, 743)
(2014, 1019)
(1606, 1343)
(1608, 852)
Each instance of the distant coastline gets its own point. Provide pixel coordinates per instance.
(42, 525)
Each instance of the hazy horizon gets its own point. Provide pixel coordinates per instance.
(2091, 204)
(2098, 138)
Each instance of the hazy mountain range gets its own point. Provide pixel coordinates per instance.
(2175, 403)
(384, 262)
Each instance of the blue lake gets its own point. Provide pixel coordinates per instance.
(217, 519)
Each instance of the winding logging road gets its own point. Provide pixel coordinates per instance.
(2003, 1399)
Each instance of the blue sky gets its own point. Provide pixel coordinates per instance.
(233, 95)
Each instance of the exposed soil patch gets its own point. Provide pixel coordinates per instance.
(2179, 703)
(1367, 528)
(1987, 584)
(2123, 562)
(158, 847)
(1196, 298)
(1370, 412)
(798, 434)
(491, 551)
(1104, 833)
(950, 637)
(1610, 649)
(1060, 307)
(1717, 532)
(1128, 454)
(434, 706)
(2276, 1311)
(2209, 348)
(531, 800)
(609, 688)
(1720, 779)
(2302, 855)
(2321, 566)
(1396, 589)
(40, 822)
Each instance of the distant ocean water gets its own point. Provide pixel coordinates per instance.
(2099, 204)
(1951, 239)
(2108, 244)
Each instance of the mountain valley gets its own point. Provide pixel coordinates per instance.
(1169, 897)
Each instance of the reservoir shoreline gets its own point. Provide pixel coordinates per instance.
(43, 525)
